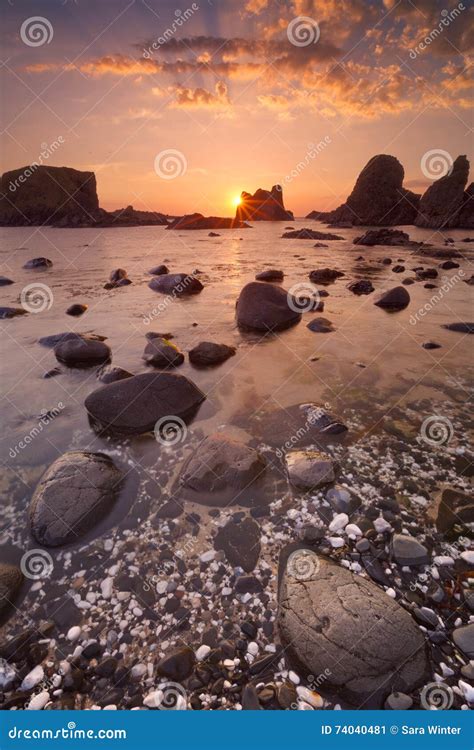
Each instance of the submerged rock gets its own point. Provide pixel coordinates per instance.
(159, 270)
(299, 425)
(176, 284)
(325, 275)
(310, 469)
(208, 354)
(40, 263)
(11, 579)
(339, 624)
(271, 274)
(82, 352)
(393, 299)
(11, 312)
(240, 542)
(460, 327)
(4, 281)
(220, 470)
(133, 406)
(76, 492)
(265, 307)
(361, 286)
(59, 338)
(409, 551)
(110, 374)
(320, 325)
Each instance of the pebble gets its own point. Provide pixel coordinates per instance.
(309, 696)
(73, 633)
(202, 652)
(39, 701)
(398, 702)
(339, 522)
(33, 678)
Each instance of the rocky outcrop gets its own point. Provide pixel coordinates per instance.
(378, 197)
(339, 624)
(444, 202)
(77, 491)
(263, 205)
(130, 217)
(265, 307)
(198, 221)
(465, 218)
(133, 406)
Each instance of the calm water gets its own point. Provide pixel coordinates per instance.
(294, 366)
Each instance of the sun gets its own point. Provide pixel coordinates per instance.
(236, 200)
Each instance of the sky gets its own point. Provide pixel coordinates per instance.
(178, 108)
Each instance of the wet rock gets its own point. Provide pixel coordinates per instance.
(60, 338)
(325, 275)
(265, 307)
(4, 281)
(76, 309)
(240, 543)
(470, 280)
(398, 269)
(409, 551)
(248, 584)
(320, 325)
(81, 352)
(110, 374)
(362, 286)
(325, 610)
(463, 637)
(340, 499)
(448, 265)
(394, 299)
(198, 221)
(160, 270)
(310, 234)
(177, 665)
(431, 345)
(220, 469)
(213, 234)
(76, 492)
(52, 373)
(11, 312)
(163, 354)
(398, 702)
(426, 273)
(117, 275)
(133, 406)
(309, 469)
(271, 274)
(383, 237)
(40, 263)
(11, 579)
(176, 284)
(460, 327)
(208, 354)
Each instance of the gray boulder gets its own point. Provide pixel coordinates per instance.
(76, 492)
(409, 551)
(265, 307)
(463, 637)
(339, 624)
(134, 405)
(82, 352)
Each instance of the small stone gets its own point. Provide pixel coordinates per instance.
(463, 637)
(398, 702)
(409, 551)
(73, 633)
(33, 678)
(202, 652)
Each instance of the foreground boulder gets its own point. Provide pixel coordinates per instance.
(176, 284)
(339, 624)
(11, 579)
(263, 205)
(81, 352)
(264, 307)
(209, 354)
(36, 195)
(198, 221)
(221, 471)
(134, 405)
(394, 299)
(444, 200)
(76, 492)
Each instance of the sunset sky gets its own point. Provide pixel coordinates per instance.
(234, 95)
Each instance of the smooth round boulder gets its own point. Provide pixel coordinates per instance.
(76, 492)
(208, 354)
(11, 579)
(271, 274)
(162, 353)
(38, 263)
(336, 623)
(176, 284)
(361, 286)
(264, 307)
(133, 406)
(82, 352)
(394, 299)
(158, 270)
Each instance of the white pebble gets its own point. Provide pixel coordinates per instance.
(443, 560)
(353, 529)
(468, 556)
(106, 587)
(336, 542)
(308, 696)
(38, 702)
(252, 648)
(33, 678)
(73, 633)
(339, 522)
(381, 525)
(391, 593)
(207, 556)
(202, 652)
(294, 677)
